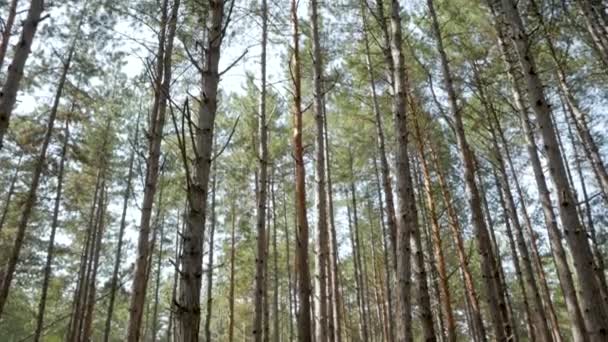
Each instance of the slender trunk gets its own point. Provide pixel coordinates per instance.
(162, 84)
(334, 297)
(51, 246)
(266, 298)
(170, 325)
(381, 315)
(276, 336)
(489, 268)
(121, 232)
(545, 292)
(541, 328)
(381, 145)
(508, 311)
(422, 290)
(81, 285)
(593, 314)
(288, 266)
(209, 306)
(89, 310)
(555, 239)
(516, 262)
(262, 154)
(232, 257)
(599, 259)
(322, 328)
(597, 28)
(188, 312)
(387, 269)
(406, 220)
(31, 197)
(8, 30)
(353, 228)
(445, 296)
(303, 275)
(8, 95)
(159, 262)
(10, 193)
(454, 225)
(577, 115)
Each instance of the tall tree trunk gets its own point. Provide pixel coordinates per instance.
(209, 306)
(597, 28)
(494, 291)
(445, 296)
(516, 262)
(593, 314)
(159, 262)
(599, 259)
(8, 30)
(381, 145)
(387, 269)
(8, 95)
(454, 225)
(232, 257)
(577, 115)
(353, 232)
(406, 220)
(288, 265)
(31, 197)
(302, 271)
(121, 232)
(11, 192)
(555, 239)
(188, 308)
(262, 154)
(540, 325)
(81, 285)
(378, 288)
(379, 125)
(508, 311)
(422, 290)
(162, 83)
(322, 328)
(334, 296)
(276, 336)
(545, 292)
(51, 246)
(89, 308)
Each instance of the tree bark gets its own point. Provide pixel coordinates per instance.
(302, 271)
(406, 220)
(162, 84)
(8, 95)
(261, 262)
(322, 327)
(594, 315)
(188, 308)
